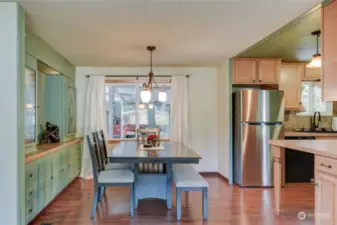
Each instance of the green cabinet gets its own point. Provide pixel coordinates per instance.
(48, 176)
(31, 194)
(60, 104)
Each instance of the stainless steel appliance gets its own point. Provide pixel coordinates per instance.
(258, 116)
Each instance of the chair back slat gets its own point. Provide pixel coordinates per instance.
(105, 150)
(148, 167)
(103, 159)
(94, 155)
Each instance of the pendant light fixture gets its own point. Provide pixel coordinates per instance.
(145, 94)
(316, 60)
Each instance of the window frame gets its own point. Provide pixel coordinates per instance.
(329, 105)
(122, 82)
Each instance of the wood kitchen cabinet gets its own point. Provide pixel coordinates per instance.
(312, 74)
(290, 83)
(255, 71)
(329, 51)
(326, 187)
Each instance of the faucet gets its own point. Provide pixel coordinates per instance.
(314, 124)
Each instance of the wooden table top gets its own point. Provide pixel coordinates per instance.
(129, 151)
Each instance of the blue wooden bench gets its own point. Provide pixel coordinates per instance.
(186, 178)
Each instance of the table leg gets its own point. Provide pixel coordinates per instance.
(135, 199)
(169, 185)
(277, 177)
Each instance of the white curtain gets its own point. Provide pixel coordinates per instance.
(180, 117)
(95, 119)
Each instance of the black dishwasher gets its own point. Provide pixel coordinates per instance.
(299, 166)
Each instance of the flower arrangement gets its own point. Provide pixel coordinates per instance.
(153, 139)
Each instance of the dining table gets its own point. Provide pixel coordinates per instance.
(153, 185)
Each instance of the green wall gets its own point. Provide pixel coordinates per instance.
(42, 51)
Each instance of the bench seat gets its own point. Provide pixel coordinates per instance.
(186, 178)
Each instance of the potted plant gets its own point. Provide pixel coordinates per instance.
(153, 140)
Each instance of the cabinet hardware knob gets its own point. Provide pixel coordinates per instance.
(326, 166)
(253, 81)
(30, 193)
(316, 185)
(260, 81)
(300, 103)
(52, 177)
(30, 210)
(31, 175)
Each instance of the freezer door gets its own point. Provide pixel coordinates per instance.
(256, 156)
(261, 106)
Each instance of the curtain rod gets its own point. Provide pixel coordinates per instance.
(121, 76)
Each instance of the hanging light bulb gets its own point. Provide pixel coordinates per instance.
(316, 60)
(145, 95)
(162, 96)
(150, 106)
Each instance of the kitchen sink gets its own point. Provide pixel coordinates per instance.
(318, 130)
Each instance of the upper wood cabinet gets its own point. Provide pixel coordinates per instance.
(269, 71)
(290, 83)
(329, 51)
(312, 74)
(255, 71)
(244, 71)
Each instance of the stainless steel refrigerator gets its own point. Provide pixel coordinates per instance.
(258, 116)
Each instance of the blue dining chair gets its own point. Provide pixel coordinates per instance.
(104, 178)
(104, 152)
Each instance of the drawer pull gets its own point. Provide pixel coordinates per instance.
(30, 210)
(30, 193)
(52, 177)
(326, 166)
(30, 175)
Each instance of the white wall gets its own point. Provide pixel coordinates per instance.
(203, 104)
(11, 119)
(224, 104)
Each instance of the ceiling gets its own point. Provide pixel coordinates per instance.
(186, 32)
(293, 43)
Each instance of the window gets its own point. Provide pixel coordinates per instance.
(311, 98)
(126, 112)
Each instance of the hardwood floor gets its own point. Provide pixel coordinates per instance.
(227, 205)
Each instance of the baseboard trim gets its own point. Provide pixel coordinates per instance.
(208, 173)
(217, 174)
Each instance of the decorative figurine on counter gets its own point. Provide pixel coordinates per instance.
(50, 135)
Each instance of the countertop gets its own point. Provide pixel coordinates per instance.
(46, 149)
(309, 134)
(326, 148)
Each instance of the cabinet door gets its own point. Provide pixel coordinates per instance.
(329, 51)
(244, 71)
(57, 172)
(325, 199)
(42, 183)
(70, 96)
(268, 71)
(49, 179)
(312, 74)
(78, 158)
(290, 83)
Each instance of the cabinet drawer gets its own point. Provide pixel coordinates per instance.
(31, 175)
(327, 165)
